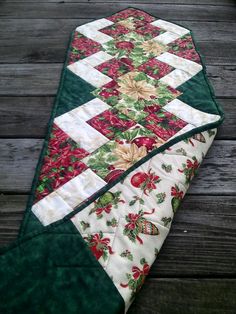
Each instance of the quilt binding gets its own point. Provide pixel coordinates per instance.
(108, 186)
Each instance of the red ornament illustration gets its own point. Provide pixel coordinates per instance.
(145, 181)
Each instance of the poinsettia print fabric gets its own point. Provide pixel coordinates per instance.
(133, 65)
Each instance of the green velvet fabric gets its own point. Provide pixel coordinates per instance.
(198, 94)
(55, 272)
(74, 93)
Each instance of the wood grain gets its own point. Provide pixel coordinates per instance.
(130, 2)
(98, 10)
(185, 296)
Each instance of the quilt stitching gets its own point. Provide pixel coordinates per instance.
(135, 65)
(136, 107)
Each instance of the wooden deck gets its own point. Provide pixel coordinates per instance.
(196, 269)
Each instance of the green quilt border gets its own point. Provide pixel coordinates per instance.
(150, 155)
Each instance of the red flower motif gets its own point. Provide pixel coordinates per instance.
(61, 163)
(149, 30)
(192, 165)
(133, 218)
(126, 45)
(164, 124)
(109, 123)
(82, 47)
(137, 272)
(114, 68)
(176, 192)
(99, 245)
(131, 12)
(115, 30)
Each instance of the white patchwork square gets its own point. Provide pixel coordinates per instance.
(180, 63)
(91, 30)
(81, 132)
(166, 38)
(80, 188)
(90, 109)
(89, 74)
(190, 114)
(181, 31)
(176, 78)
(97, 58)
(51, 208)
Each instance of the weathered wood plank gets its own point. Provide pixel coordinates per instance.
(24, 116)
(27, 117)
(98, 10)
(18, 158)
(58, 29)
(43, 79)
(202, 234)
(40, 41)
(202, 2)
(184, 296)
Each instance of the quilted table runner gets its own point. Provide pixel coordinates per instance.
(133, 119)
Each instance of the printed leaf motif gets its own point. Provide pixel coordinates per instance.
(127, 254)
(161, 197)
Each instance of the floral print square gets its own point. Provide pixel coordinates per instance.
(132, 23)
(143, 16)
(61, 163)
(115, 30)
(135, 47)
(149, 31)
(108, 93)
(164, 124)
(135, 94)
(112, 159)
(111, 123)
(82, 47)
(114, 68)
(156, 68)
(184, 47)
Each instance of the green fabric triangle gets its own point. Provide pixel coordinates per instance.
(55, 272)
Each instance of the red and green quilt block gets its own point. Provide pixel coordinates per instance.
(108, 93)
(111, 123)
(135, 47)
(139, 86)
(112, 159)
(148, 31)
(82, 47)
(131, 12)
(184, 47)
(155, 68)
(164, 124)
(114, 68)
(61, 163)
(115, 30)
